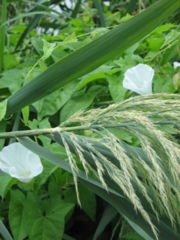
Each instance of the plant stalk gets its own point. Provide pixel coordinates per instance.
(46, 131)
(99, 8)
(76, 9)
(3, 33)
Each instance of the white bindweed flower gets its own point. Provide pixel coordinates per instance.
(176, 64)
(19, 162)
(139, 79)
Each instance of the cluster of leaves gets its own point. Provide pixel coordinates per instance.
(47, 208)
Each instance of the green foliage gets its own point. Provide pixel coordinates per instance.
(46, 221)
(92, 55)
(51, 63)
(132, 236)
(3, 33)
(3, 106)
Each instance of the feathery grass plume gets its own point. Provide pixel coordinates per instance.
(155, 173)
(80, 154)
(128, 173)
(125, 162)
(99, 167)
(73, 165)
(154, 104)
(120, 176)
(164, 158)
(161, 178)
(170, 147)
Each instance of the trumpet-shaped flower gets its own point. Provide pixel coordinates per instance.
(176, 64)
(139, 79)
(19, 162)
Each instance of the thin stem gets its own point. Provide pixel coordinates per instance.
(28, 15)
(3, 33)
(76, 9)
(25, 133)
(99, 8)
(15, 126)
(141, 5)
(46, 131)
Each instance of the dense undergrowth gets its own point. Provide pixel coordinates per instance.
(111, 169)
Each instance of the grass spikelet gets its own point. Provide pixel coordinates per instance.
(99, 168)
(80, 151)
(73, 165)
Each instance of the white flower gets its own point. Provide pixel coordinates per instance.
(139, 79)
(176, 64)
(20, 162)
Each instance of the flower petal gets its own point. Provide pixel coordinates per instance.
(139, 79)
(176, 64)
(20, 162)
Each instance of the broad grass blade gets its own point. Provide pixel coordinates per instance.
(94, 54)
(4, 232)
(117, 201)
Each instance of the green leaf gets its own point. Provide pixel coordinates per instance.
(58, 53)
(48, 169)
(87, 198)
(88, 201)
(108, 215)
(25, 113)
(32, 210)
(38, 45)
(115, 87)
(163, 84)
(99, 73)
(51, 226)
(3, 106)
(10, 61)
(5, 184)
(52, 103)
(79, 102)
(17, 215)
(132, 236)
(47, 49)
(34, 21)
(128, 60)
(2, 129)
(17, 75)
(135, 236)
(45, 229)
(94, 54)
(155, 42)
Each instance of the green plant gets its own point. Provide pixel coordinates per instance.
(92, 55)
(123, 154)
(3, 32)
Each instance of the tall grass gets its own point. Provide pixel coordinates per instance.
(3, 32)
